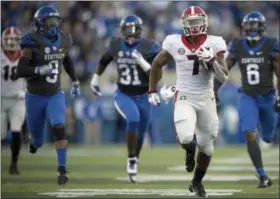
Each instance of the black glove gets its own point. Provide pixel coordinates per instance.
(277, 104)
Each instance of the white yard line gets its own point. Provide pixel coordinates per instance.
(75, 193)
(214, 178)
(228, 168)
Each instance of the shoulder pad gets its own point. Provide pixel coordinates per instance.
(114, 45)
(274, 46)
(27, 41)
(67, 40)
(155, 48)
(232, 45)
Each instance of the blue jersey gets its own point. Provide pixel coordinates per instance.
(132, 79)
(45, 52)
(255, 63)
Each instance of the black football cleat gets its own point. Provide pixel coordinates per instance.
(264, 181)
(62, 179)
(32, 148)
(189, 160)
(13, 170)
(198, 190)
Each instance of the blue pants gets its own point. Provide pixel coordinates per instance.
(136, 110)
(258, 111)
(43, 109)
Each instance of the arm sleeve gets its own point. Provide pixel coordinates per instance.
(106, 59)
(23, 69)
(69, 68)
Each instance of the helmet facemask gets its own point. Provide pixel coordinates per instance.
(131, 32)
(194, 25)
(253, 30)
(50, 25)
(11, 43)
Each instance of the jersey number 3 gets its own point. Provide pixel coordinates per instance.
(129, 75)
(54, 64)
(253, 75)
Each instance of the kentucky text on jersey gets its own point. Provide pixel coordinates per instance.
(126, 61)
(256, 60)
(54, 56)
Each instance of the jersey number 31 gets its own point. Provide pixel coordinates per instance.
(129, 75)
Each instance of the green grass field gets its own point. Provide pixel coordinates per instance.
(101, 172)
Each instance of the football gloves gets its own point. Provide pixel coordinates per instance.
(167, 93)
(94, 85)
(46, 70)
(154, 98)
(75, 91)
(205, 54)
(140, 60)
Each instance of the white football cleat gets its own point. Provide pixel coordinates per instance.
(132, 169)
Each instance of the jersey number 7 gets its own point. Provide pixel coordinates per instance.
(195, 64)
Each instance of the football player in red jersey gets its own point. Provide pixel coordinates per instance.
(199, 58)
(12, 93)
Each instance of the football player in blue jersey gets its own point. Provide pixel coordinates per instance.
(133, 55)
(258, 58)
(44, 52)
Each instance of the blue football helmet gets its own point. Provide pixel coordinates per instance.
(47, 21)
(254, 24)
(131, 25)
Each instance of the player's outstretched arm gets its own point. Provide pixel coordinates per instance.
(155, 74)
(103, 63)
(221, 68)
(230, 61)
(23, 69)
(69, 68)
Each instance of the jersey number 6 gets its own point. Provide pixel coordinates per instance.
(253, 75)
(53, 78)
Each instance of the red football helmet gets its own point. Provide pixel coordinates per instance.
(194, 21)
(11, 39)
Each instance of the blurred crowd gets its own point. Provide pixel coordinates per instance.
(92, 24)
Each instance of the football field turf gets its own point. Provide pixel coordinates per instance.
(101, 172)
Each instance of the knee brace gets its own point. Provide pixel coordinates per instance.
(206, 149)
(59, 132)
(132, 126)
